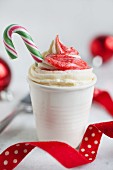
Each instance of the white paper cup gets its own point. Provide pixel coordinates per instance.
(61, 113)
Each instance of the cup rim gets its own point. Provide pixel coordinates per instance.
(63, 88)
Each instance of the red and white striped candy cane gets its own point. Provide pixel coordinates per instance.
(7, 36)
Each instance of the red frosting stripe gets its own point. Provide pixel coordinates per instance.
(65, 62)
(62, 49)
(62, 152)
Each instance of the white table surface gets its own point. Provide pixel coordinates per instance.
(22, 129)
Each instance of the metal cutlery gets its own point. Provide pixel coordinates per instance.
(23, 106)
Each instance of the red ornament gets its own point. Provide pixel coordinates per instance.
(5, 75)
(102, 46)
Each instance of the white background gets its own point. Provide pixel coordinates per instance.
(77, 22)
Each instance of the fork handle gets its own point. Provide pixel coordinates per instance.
(5, 122)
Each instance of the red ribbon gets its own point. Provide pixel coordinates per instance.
(62, 152)
(103, 98)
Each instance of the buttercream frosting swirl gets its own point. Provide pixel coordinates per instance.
(46, 74)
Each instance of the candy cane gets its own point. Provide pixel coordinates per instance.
(7, 38)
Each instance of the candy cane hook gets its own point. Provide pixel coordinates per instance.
(7, 38)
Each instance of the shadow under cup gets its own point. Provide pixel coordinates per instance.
(61, 113)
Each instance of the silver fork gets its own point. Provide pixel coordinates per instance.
(23, 106)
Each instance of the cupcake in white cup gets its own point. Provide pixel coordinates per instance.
(61, 89)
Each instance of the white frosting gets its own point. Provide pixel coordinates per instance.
(54, 50)
(61, 78)
(73, 55)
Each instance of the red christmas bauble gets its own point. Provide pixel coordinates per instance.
(102, 46)
(5, 75)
